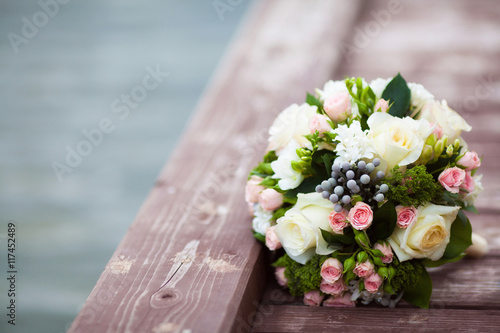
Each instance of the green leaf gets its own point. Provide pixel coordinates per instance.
(472, 209)
(384, 222)
(335, 239)
(460, 237)
(397, 92)
(259, 237)
(419, 294)
(312, 100)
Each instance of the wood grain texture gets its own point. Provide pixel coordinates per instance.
(292, 318)
(188, 262)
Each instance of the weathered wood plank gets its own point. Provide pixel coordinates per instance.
(188, 262)
(289, 318)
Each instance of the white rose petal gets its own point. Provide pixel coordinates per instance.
(291, 124)
(299, 230)
(398, 141)
(450, 121)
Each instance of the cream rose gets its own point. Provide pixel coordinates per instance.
(399, 141)
(291, 123)
(299, 230)
(451, 122)
(428, 236)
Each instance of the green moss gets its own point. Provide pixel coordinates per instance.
(408, 274)
(302, 278)
(414, 187)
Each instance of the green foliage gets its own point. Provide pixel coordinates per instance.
(264, 168)
(302, 278)
(408, 274)
(312, 100)
(364, 97)
(419, 294)
(384, 222)
(398, 95)
(414, 187)
(338, 240)
(259, 237)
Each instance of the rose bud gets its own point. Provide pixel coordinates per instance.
(470, 161)
(382, 105)
(279, 273)
(360, 216)
(406, 216)
(337, 221)
(373, 283)
(319, 123)
(338, 107)
(363, 269)
(272, 241)
(253, 189)
(331, 270)
(336, 288)
(270, 199)
(313, 298)
(386, 250)
(452, 178)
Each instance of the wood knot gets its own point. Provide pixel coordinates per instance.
(165, 298)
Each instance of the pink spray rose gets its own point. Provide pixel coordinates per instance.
(360, 216)
(272, 240)
(363, 269)
(331, 270)
(340, 301)
(382, 105)
(438, 130)
(386, 250)
(270, 199)
(313, 298)
(319, 123)
(452, 178)
(468, 183)
(470, 161)
(338, 220)
(279, 273)
(336, 288)
(338, 107)
(373, 283)
(253, 189)
(406, 215)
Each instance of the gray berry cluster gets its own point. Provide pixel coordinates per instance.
(353, 179)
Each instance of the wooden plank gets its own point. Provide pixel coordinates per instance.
(188, 262)
(290, 318)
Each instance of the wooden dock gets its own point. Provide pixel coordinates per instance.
(189, 262)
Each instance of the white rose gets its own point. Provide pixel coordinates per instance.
(299, 229)
(451, 122)
(419, 96)
(282, 167)
(428, 236)
(398, 141)
(291, 124)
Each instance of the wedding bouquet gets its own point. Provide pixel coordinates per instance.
(364, 186)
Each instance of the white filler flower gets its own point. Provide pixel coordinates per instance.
(353, 143)
(261, 220)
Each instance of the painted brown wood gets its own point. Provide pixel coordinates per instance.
(290, 318)
(188, 262)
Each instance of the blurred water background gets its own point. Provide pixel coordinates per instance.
(60, 77)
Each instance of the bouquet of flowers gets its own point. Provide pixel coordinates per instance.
(364, 186)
